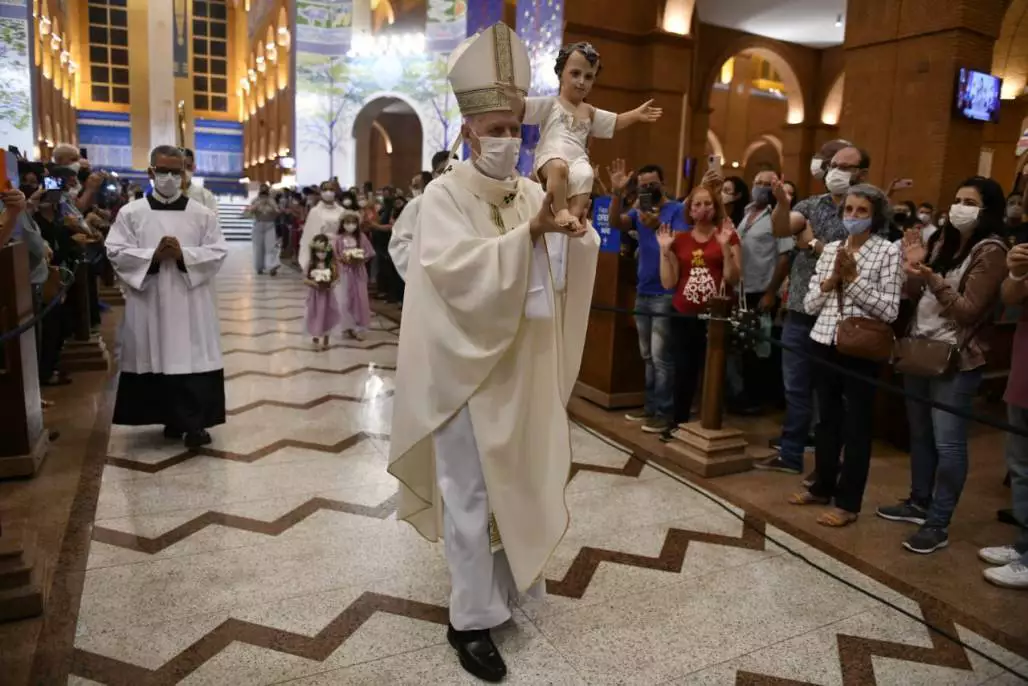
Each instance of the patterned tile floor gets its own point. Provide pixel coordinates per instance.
(273, 556)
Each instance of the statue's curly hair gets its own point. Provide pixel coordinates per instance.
(587, 50)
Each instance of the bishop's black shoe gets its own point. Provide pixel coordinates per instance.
(478, 654)
(196, 439)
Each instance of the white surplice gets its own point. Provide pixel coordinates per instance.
(403, 235)
(171, 314)
(204, 197)
(490, 346)
(322, 218)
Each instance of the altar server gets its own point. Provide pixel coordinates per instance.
(167, 249)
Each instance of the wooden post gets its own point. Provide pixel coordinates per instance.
(706, 447)
(20, 578)
(86, 351)
(23, 440)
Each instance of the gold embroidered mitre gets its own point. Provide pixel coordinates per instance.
(480, 66)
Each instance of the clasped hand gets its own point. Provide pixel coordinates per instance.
(168, 249)
(845, 271)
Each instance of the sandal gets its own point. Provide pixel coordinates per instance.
(808, 498)
(837, 518)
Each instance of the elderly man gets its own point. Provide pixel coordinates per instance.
(195, 191)
(167, 249)
(79, 195)
(490, 346)
(403, 229)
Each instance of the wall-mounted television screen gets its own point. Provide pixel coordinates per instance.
(978, 95)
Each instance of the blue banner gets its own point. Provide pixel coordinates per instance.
(610, 239)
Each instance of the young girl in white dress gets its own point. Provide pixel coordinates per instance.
(566, 122)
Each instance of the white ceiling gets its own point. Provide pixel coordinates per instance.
(809, 22)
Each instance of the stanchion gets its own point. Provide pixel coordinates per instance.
(20, 578)
(86, 351)
(23, 441)
(706, 447)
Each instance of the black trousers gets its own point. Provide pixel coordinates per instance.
(386, 269)
(689, 342)
(51, 341)
(761, 376)
(847, 412)
(186, 402)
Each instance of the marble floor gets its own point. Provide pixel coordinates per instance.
(274, 556)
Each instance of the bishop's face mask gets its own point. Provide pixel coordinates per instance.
(498, 157)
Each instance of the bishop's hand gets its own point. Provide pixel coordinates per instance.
(546, 222)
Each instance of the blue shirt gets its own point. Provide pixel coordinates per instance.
(671, 213)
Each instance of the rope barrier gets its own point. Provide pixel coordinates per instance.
(32, 321)
(877, 383)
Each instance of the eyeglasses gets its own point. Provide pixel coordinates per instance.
(845, 167)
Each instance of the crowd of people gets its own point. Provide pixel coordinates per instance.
(843, 279)
(62, 210)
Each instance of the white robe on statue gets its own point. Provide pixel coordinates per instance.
(170, 330)
(490, 347)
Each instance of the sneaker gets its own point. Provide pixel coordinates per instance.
(905, 511)
(810, 479)
(1013, 575)
(1000, 555)
(639, 416)
(776, 464)
(927, 540)
(656, 426)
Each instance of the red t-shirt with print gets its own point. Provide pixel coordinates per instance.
(701, 267)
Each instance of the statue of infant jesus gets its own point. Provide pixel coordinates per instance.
(566, 121)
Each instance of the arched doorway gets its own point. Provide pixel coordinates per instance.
(388, 143)
(763, 154)
(754, 94)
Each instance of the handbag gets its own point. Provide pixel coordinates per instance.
(863, 337)
(920, 356)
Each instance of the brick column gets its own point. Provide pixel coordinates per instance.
(902, 59)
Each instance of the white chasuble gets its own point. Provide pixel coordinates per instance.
(171, 310)
(465, 340)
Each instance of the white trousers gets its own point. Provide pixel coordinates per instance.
(482, 585)
(265, 246)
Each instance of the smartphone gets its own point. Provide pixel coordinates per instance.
(10, 177)
(54, 183)
(714, 162)
(647, 202)
(15, 150)
(83, 154)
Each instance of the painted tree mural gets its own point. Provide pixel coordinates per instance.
(15, 96)
(425, 81)
(331, 84)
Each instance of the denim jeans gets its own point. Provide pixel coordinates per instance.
(797, 380)
(655, 349)
(1017, 463)
(938, 442)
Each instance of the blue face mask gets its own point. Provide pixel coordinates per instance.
(855, 226)
(762, 195)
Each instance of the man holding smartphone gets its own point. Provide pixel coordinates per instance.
(652, 301)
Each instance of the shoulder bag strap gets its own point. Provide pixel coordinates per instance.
(981, 323)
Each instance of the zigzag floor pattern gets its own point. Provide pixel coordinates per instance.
(682, 540)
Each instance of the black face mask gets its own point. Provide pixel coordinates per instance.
(28, 189)
(83, 175)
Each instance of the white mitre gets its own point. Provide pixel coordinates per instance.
(480, 66)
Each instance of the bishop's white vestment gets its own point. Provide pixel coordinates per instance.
(171, 367)
(490, 346)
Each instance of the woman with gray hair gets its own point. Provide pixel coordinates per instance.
(858, 277)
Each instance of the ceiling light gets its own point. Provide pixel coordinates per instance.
(838, 22)
(735, 165)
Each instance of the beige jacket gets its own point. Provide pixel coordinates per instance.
(973, 308)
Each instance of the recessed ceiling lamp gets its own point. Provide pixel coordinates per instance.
(838, 22)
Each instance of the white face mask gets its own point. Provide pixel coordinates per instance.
(817, 168)
(328, 196)
(415, 192)
(168, 185)
(349, 227)
(362, 203)
(727, 198)
(838, 181)
(75, 166)
(964, 217)
(347, 202)
(924, 218)
(498, 157)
